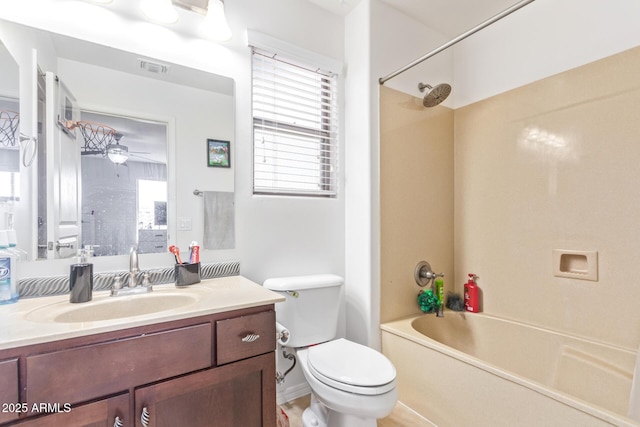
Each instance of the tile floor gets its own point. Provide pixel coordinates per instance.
(400, 417)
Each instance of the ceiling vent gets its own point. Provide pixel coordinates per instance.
(153, 67)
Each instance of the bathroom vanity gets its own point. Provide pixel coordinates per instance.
(208, 362)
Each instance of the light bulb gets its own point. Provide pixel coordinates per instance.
(117, 153)
(215, 23)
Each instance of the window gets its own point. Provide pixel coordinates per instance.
(294, 128)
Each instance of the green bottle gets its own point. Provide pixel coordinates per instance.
(439, 285)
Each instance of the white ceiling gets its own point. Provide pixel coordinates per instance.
(448, 17)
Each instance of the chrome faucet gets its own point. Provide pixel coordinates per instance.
(134, 267)
(132, 285)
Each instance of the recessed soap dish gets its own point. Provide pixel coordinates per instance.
(575, 264)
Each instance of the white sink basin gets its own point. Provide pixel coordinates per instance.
(109, 308)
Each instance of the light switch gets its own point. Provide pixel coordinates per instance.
(184, 224)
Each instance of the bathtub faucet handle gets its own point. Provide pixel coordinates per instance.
(424, 275)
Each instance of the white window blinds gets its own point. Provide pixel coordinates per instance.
(295, 125)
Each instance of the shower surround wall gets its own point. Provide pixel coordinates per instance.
(554, 165)
(550, 165)
(416, 192)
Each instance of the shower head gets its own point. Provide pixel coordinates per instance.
(435, 95)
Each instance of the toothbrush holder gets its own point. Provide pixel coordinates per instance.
(187, 274)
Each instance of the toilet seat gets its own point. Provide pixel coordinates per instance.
(351, 367)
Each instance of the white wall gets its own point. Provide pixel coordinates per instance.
(398, 40)
(378, 40)
(543, 38)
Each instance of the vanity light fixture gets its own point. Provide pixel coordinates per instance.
(160, 11)
(215, 22)
(117, 153)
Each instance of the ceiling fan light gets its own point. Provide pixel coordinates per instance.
(215, 22)
(160, 11)
(117, 153)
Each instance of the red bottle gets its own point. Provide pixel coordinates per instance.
(471, 295)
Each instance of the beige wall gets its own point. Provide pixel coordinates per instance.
(416, 186)
(574, 186)
(551, 165)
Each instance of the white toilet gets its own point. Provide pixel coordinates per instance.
(352, 385)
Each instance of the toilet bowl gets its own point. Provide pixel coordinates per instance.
(355, 383)
(352, 385)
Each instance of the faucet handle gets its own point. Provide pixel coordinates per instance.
(146, 282)
(117, 285)
(424, 275)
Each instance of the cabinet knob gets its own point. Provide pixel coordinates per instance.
(118, 422)
(251, 338)
(145, 417)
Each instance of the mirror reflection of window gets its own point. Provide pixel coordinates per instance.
(152, 204)
(152, 216)
(119, 196)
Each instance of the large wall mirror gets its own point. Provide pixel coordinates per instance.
(116, 136)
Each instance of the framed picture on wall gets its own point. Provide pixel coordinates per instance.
(218, 153)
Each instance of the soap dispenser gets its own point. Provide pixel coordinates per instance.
(81, 277)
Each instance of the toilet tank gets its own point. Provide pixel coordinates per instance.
(311, 309)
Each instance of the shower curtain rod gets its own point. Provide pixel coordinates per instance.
(461, 37)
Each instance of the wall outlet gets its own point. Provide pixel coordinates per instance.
(184, 224)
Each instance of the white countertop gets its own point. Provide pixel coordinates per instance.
(213, 296)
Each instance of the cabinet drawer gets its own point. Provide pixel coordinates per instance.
(9, 390)
(151, 247)
(234, 336)
(83, 373)
(158, 236)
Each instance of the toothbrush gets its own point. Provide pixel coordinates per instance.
(194, 256)
(176, 252)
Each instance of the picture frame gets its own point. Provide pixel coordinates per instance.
(218, 153)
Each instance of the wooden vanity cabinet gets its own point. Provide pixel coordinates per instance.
(216, 370)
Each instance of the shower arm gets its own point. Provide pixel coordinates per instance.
(461, 37)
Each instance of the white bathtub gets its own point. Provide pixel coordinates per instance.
(479, 370)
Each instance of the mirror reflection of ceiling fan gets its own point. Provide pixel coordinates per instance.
(119, 153)
(100, 139)
(144, 140)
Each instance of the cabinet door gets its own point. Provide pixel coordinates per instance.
(238, 394)
(97, 414)
(9, 394)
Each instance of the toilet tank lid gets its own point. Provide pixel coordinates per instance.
(297, 283)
